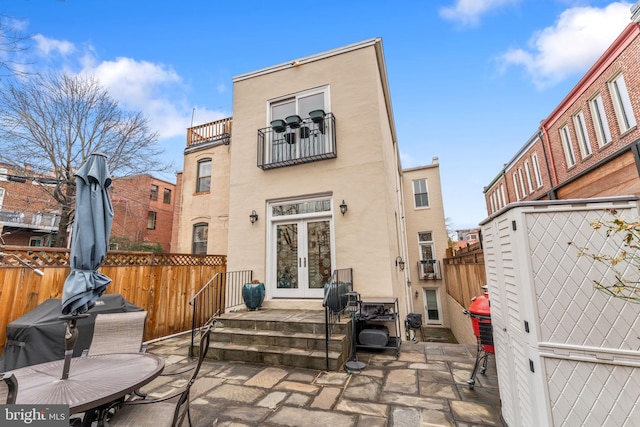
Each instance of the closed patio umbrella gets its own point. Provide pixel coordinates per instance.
(90, 237)
(89, 245)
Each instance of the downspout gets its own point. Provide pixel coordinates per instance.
(552, 173)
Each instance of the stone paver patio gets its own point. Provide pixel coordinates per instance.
(425, 386)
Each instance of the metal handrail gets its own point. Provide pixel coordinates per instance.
(335, 302)
(222, 291)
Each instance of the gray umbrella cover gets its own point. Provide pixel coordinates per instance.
(90, 238)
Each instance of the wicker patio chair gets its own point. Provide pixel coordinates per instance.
(159, 412)
(9, 391)
(117, 333)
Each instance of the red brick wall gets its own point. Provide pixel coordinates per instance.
(629, 64)
(132, 203)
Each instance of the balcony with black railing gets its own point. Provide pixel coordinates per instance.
(297, 140)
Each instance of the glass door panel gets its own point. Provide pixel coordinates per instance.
(287, 256)
(318, 253)
(431, 306)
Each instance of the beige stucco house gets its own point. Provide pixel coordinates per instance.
(309, 181)
(427, 241)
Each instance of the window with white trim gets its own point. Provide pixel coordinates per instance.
(521, 177)
(492, 201)
(3, 174)
(36, 241)
(515, 186)
(536, 170)
(200, 238)
(567, 146)
(420, 193)
(203, 183)
(502, 198)
(600, 123)
(622, 103)
(1, 197)
(583, 137)
(527, 172)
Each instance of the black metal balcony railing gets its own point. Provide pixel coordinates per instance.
(304, 142)
(429, 269)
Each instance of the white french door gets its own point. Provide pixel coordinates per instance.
(301, 260)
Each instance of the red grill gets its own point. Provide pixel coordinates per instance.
(480, 313)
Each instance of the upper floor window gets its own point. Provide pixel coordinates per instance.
(522, 187)
(200, 237)
(166, 197)
(527, 172)
(151, 220)
(536, 170)
(204, 176)
(622, 103)
(3, 174)
(420, 193)
(567, 146)
(1, 197)
(301, 130)
(515, 186)
(583, 137)
(154, 192)
(600, 123)
(503, 200)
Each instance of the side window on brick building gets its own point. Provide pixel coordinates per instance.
(151, 220)
(166, 198)
(600, 123)
(154, 192)
(583, 137)
(567, 146)
(622, 103)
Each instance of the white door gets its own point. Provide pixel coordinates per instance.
(301, 247)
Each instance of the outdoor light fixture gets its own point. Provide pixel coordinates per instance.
(343, 207)
(253, 217)
(400, 262)
(417, 294)
(35, 270)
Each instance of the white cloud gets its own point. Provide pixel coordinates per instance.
(468, 12)
(46, 46)
(572, 45)
(153, 89)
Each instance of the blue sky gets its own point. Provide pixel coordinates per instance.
(470, 80)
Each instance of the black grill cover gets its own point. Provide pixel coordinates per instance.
(38, 336)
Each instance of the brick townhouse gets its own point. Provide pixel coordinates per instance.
(29, 214)
(589, 145)
(143, 210)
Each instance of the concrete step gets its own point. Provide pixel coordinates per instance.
(301, 340)
(276, 356)
(293, 338)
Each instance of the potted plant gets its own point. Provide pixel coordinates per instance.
(253, 294)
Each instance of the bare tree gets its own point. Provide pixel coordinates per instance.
(54, 122)
(12, 42)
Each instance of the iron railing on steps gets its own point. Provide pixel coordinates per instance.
(335, 302)
(222, 291)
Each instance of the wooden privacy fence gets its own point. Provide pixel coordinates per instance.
(162, 284)
(465, 274)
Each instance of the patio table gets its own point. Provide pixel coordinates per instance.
(94, 381)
